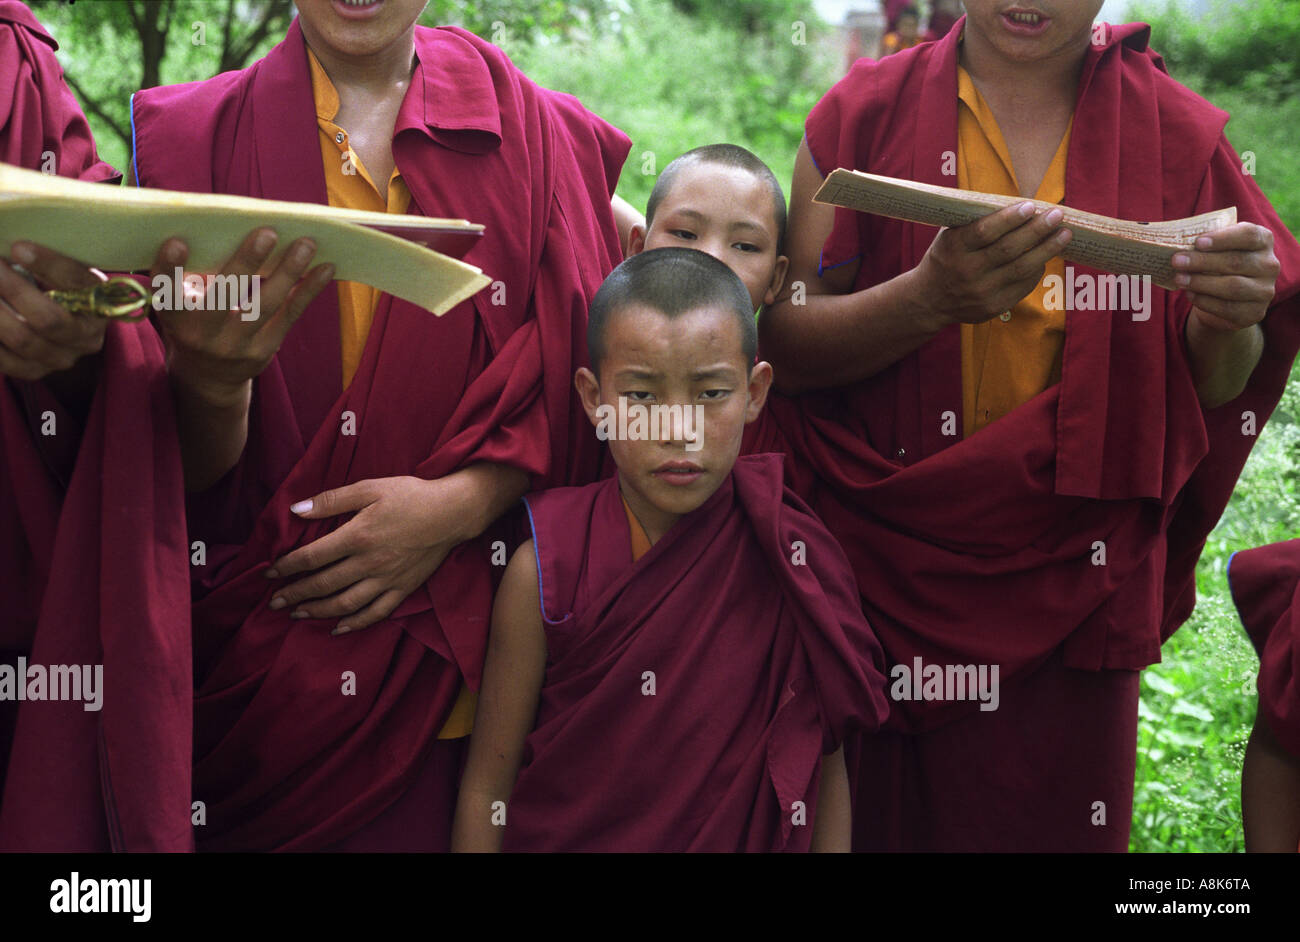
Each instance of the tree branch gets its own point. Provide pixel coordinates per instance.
(235, 54)
(94, 107)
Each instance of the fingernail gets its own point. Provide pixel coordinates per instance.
(172, 254)
(298, 615)
(23, 253)
(277, 603)
(1205, 242)
(264, 241)
(1182, 279)
(1054, 217)
(272, 574)
(1064, 236)
(302, 507)
(302, 252)
(1027, 209)
(1181, 260)
(341, 630)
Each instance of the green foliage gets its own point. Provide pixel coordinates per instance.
(1237, 45)
(109, 50)
(1271, 131)
(1193, 721)
(507, 21)
(749, 16)
(1242, 57)
(672, 82)
(1198, 703)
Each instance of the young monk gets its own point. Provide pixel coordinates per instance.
(1020, 486)
(905, 34)
(723, 200)
(342, 470)
(944, 15)
(92, 544)
(668, 676)
(1265, 586)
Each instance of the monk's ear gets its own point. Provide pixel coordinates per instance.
(760, 383)
(636, 240)
(778, 279)
(588, 392)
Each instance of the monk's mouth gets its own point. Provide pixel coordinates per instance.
(356, 9)
(679, 475)
(1025, 22)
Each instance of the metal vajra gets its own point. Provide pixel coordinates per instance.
(118, 297)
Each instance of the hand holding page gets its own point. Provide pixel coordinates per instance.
(1113, 245)
(120, 229)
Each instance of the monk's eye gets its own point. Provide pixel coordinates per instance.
(683, 234)
(638, 395)
(715, 394)
(747, 247)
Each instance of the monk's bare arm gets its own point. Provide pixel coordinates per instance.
(1270, 794)
(833, 825)
(507, 707)
(1230, 277)
(820, 333)
(627, 216)
(1221, 361)
(834, 337)
(213, 356)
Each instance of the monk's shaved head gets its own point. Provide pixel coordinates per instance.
(673, 282)
(724, 155)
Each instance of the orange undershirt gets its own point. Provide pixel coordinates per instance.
(349, 185)
(894, 42)
(640, 542)
(1005, 363)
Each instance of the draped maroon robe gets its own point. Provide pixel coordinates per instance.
(1265, 584)
(283, 759)
(38, 112)
(987, 550)
(761, 664)
(92, 547)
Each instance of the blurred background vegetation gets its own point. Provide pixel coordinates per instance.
(675, 74)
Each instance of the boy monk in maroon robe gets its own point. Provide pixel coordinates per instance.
(1265, 584)
(342, 470)
(722, 200)
(1022, 483)
(92, 544)
(667, 670)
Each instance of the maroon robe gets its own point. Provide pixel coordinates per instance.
(987, 550)
(39, 115)
(283, 759)
(941, 25)
(92, 545)
(761, 664)
(1265, 584)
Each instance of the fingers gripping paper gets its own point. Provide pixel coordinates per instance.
(120, 229)
(1113, 245)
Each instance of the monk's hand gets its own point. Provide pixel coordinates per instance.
(37, 335)
(401, 530)
(975, 272)
(215, 353)
(1230, 277)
